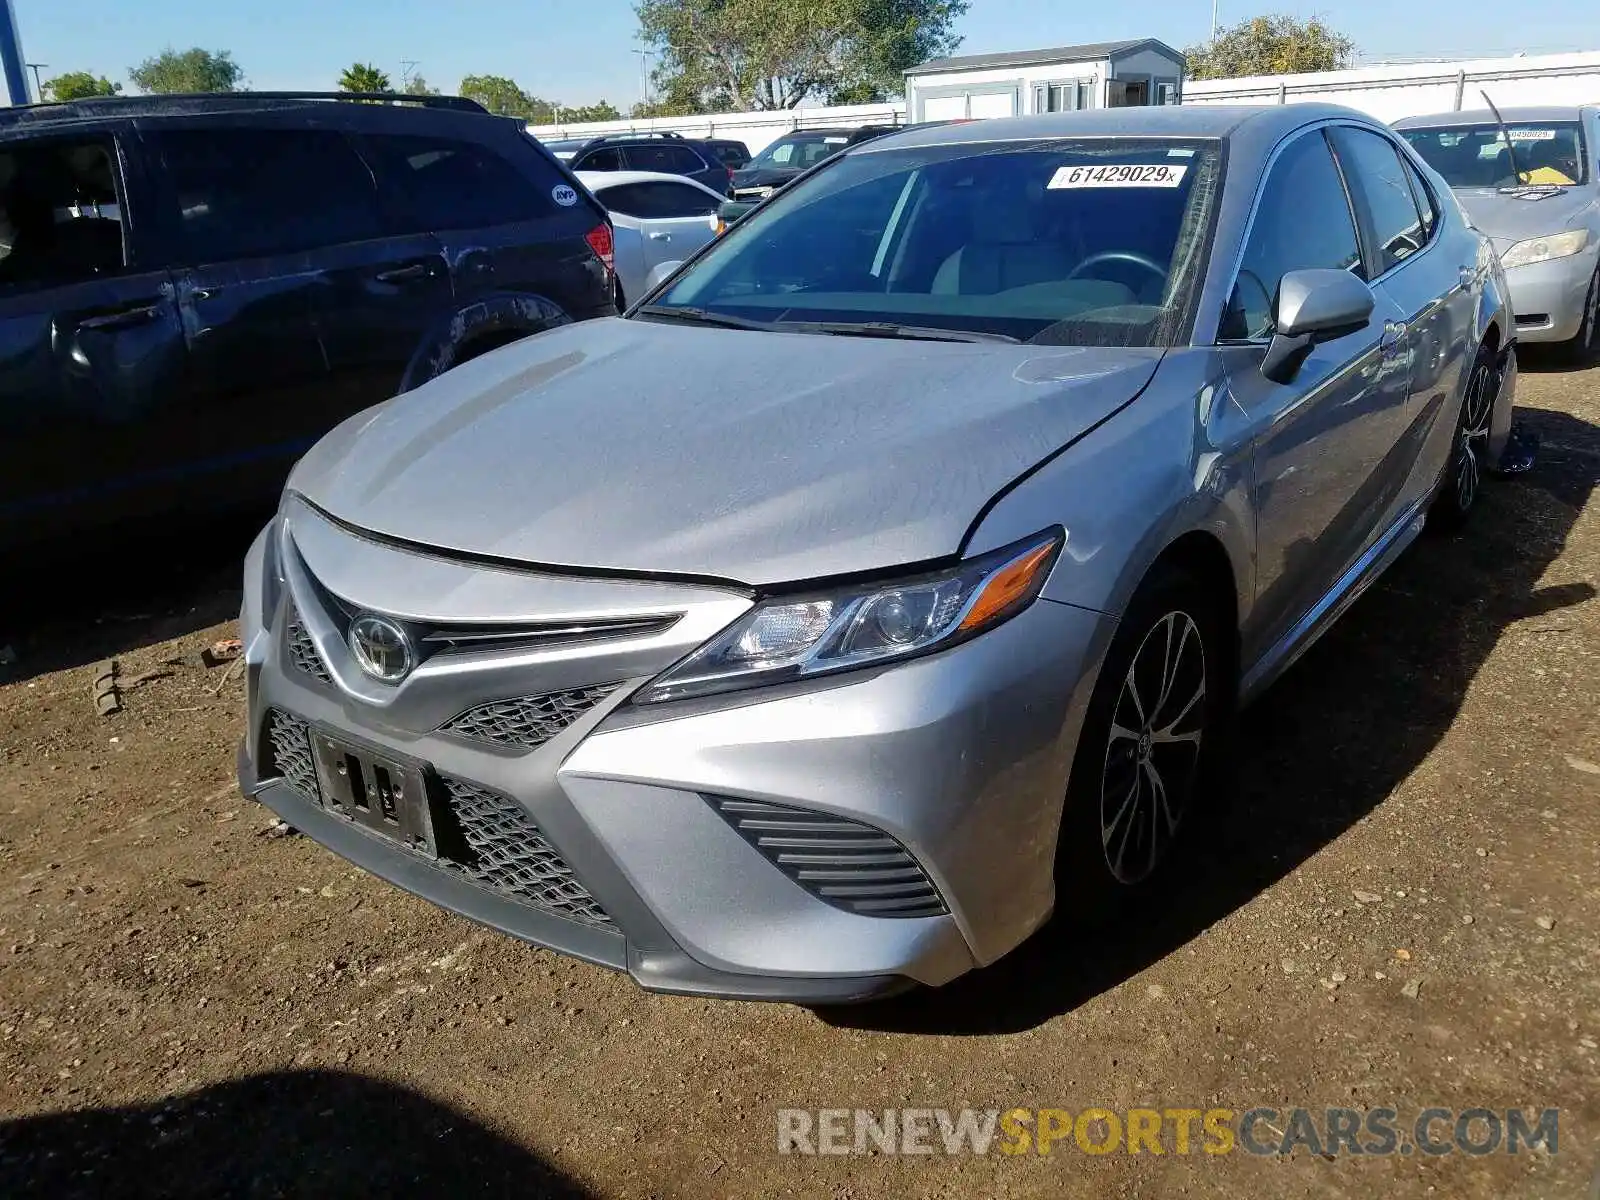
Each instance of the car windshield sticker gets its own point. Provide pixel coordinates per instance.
(1533, 135)
(834, 141)
(1158, 175)
(564, 195)
(1180, 152)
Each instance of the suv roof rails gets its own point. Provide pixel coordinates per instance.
(95, 105)
(630, 137)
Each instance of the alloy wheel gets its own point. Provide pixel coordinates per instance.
(1472, 438)
(1153, 750)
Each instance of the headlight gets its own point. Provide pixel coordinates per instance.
(1542, 249)
(798, 637)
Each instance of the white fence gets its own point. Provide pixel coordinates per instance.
(754, 129)
(1390, 91)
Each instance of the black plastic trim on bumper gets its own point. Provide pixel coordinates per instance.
(657, 971)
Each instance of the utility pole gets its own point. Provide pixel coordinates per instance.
(407, 65)
(1213, 20)
(38, 88)
(644, 74)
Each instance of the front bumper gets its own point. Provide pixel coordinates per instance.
(1548, 297)
(960, 757)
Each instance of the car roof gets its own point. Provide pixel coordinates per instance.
(1483, 116)
(1156, 120)
(599, 180)
(111, 108)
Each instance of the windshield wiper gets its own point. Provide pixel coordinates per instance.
(702, 317)
(888, 329)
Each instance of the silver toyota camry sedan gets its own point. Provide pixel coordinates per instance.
(1036, 447)
(1530, 179)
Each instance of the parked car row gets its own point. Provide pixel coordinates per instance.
(1036, 446)
(194, 289)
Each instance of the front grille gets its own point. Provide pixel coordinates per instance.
(484, 835)
(303, 654)
(290, 743)
(845, 863)
(509, 854)
(527, 721)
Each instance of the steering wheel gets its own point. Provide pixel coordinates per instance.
(1127, 256)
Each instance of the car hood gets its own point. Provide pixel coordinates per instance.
(1509, 217)
(748, 456)
(751, 177)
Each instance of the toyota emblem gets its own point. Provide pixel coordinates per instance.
(381, 648)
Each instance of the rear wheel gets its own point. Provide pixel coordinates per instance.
(1150, 740)
(1469, 450)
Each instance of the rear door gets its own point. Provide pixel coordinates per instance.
(91, 349)
(509, 220)
(674, 219)
(1323, 440)
(251, 208)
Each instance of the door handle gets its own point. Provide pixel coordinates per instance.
(660, 237)
(122, 320)
(404, 274)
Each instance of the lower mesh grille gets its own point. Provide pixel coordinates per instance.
(303, 654)
(509, 854)
(483, 834)
(291, 753)
(845, 863)
(528, 721)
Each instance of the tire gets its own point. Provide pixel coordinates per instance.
(1151, 746)
(1581, 350)
(1464, 473)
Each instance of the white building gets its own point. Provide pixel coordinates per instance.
(1098, 75)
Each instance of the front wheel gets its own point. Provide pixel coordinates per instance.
(1150, 738)
(1581, 350)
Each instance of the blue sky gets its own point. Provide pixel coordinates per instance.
(577, 53)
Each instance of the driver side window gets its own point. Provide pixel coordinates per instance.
(1302, 221)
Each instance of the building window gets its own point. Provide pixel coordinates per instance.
(1066, 96)
(1166, 91)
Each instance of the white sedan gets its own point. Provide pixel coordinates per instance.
(657, 218)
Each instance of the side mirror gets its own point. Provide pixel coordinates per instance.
(659, 272)
(1313, 307)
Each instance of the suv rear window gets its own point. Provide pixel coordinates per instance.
(246, 193)
(445, 183)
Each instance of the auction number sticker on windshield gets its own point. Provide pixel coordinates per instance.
(1533, 135)
(1160, 175)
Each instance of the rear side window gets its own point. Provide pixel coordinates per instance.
(62, 222)
(658, 199)
(246, 193)
(1302, 221)
(445, 183)
(667, 158)
(608, 158)
(1426, 204)
(1379, 185)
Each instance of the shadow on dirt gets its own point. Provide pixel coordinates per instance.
(1351, 720)
(104, 597)
(301, 1134)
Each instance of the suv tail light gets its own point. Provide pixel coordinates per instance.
(599, 239)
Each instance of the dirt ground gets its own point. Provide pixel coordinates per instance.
(192, 1007)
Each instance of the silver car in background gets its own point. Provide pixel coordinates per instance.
(655, 218)
(1534, 187)
(1038, 445)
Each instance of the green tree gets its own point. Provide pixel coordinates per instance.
(363, 77)
(1276, 44)
(77, 85)
(716, 55)
(591, 112)
(498, 94)
(418, 86)
(192, 70)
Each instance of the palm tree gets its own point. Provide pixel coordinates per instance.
(363, 77)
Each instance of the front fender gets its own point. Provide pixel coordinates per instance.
(494, 315)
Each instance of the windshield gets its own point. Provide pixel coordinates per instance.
(566, 149)
(1476, 156)
(800, 152)
(1084, 241)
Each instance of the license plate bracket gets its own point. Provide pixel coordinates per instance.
(380, 791)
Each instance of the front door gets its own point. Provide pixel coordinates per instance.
(1323, 440)
(91, 351)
